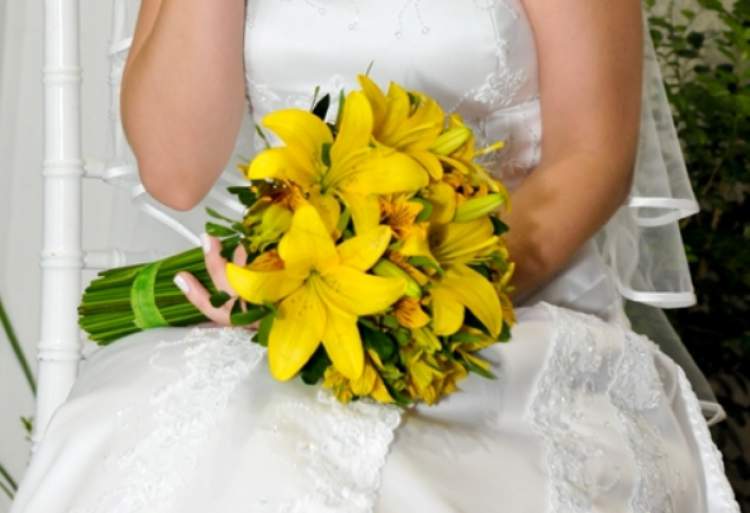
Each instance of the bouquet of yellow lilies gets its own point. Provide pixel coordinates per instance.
(376, 263)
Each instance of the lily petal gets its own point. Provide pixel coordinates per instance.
(473, 290)
(375, 96)
(362, 251)
(462, 242)
(447, 313)
(261, 287)
(443, 199)
(356, 128)
(299, 128)
(328, 207)
(365, 210)
(359, 293)
(308, 243)
(283, 164)
(396, 113)
(296, 332)
(386, 173)
(416, 243)
(430, 162)
(343, 343)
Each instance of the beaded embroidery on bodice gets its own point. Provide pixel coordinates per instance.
(488, 75)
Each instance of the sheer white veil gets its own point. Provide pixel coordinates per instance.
(641, 243)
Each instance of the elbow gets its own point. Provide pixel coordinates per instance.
(171, 187)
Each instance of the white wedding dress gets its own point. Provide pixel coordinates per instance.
(585, 416)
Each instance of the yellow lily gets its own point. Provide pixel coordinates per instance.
(369, 384)
(455, 245)
(322, 288)
(348, 167)
(409, 313)
(403, 126)
(463, 159)
(430, 375)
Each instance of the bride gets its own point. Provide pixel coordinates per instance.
(586, 415)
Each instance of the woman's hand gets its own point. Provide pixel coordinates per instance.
(216, 267)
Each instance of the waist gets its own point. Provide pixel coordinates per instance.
(584, 284)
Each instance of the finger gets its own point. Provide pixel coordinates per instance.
(197, 294)
(240, 255)
(216, 264)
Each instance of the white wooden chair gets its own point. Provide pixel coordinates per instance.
(64, 168)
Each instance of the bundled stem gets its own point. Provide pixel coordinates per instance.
(106, 311)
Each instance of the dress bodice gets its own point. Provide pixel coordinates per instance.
(487, 74)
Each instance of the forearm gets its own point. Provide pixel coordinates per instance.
(558, 207)
(183, 95)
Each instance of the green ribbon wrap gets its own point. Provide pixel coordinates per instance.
(147, 314)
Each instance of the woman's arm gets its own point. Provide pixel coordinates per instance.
(183, 94)
(590, 59)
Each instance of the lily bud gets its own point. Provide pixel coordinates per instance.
(388, 269)
(475, 208)
(275, 221)
(451, 140)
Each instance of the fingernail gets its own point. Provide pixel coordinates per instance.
(206, 242)
(181, 283)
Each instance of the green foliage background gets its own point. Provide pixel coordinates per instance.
(707, 77)
(8, 483)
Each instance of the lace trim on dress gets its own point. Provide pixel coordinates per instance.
(571, 375)
(342, 450)
(176, 421)
(592, 367)
(716, 484)
(636, 389)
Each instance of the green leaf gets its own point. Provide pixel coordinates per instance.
(462, 336)
(264, 329)
(314, 369)
(10, 334)
(390, 321)
(498, 227)
(481, 269)
(425, 263)
(325, 154)
(262, 135)
(228, 246)
(426, 211)
(403, 336)
(380, 342)
(244, 194)
(343, 220)
(321, 107)
(218, 230)
(252, 314)
(28, 424)
(504, 333)
(476, 369)
(213, 213)
(8, 478)
(340, 113)
(219, 298)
